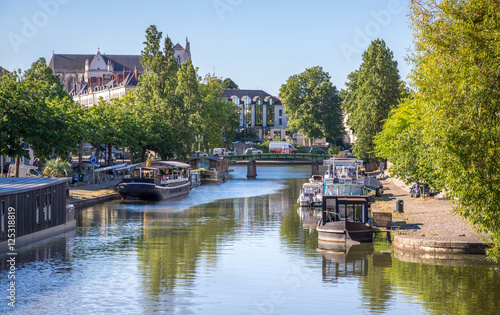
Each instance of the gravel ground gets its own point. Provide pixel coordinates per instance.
(430, 218)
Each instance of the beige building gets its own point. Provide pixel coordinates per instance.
(260, 113)
(89, 77)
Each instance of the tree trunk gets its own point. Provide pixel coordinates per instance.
(110, 154)
(16, 171)
(80, 156)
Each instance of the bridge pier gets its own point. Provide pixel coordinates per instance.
(252, 169)
(314, 168)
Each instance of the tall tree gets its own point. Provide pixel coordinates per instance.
(36, 112)
(156, 95)
(219, 117)
(312, 104)
(456, 71)
(404, 142)
(371, 92)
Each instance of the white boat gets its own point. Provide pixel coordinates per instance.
(310, 195)
(343, 171)
(316, 179)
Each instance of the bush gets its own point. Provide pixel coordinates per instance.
(334, 150)
(57, 168)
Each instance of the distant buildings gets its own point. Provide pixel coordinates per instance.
(89, 77)
(261, 114)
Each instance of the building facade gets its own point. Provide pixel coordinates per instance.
(88, 77)
(261, 114)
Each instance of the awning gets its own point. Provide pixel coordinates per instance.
(112, 167)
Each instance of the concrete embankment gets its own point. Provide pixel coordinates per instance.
(428, 225)
(92, 194)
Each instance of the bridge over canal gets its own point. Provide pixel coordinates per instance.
(253, 158)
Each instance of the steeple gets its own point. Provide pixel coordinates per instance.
(187, 48)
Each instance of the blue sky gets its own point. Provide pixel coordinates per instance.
(257, 43)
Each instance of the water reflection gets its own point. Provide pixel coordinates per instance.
(249, 249)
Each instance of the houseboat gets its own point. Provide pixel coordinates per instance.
(212, 169)
(345, 207)
(154, 180)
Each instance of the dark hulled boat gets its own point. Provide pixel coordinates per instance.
(156, 180)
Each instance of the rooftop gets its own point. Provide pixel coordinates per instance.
(16, 185)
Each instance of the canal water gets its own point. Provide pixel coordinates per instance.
(242, 247)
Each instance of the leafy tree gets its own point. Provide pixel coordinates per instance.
(371, 92)
(456, 77)
(36, 112)
(165, 119)
(404, 142)
(219, 117)
(229, 84)
(312, 104)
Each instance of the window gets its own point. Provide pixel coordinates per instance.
(270, 113)
(281, 122)
(247, 111)
(259, 113)
(281, 113)
(179, 59)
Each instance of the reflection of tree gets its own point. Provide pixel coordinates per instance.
(172, 243)
(291, 227)
(445, 289)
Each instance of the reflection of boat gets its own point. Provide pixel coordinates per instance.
(155, 180)
(309, 217)
(344, 259)
(344, 215)
(310, 195)
(212, 169)
(195, 179)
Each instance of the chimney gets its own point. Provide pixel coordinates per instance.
(136, 75)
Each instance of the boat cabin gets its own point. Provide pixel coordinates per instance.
(208, 163)
(159, 172)
(343, 170)
(212, 169)
(345, 208)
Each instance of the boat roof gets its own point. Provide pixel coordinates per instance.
(311, 185)
(345, 162)
(155, 164)
(112, 167)
(16, 185)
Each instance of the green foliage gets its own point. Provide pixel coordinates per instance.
(456, 77)
(371, 92)
(229, 84)
(57, 168)
(406, 144)
(218, 117)
(334, 150)
(312, 104)
(175, 108)
(36, 112)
